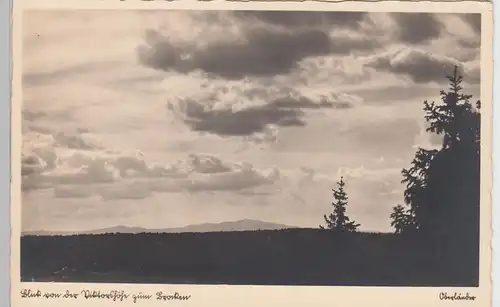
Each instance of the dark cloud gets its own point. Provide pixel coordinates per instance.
(417, 28)
(265, 53)
(306, 18)
(420, 66)
(285, 111)
(474, 20)
(262, 52)
(242, 122)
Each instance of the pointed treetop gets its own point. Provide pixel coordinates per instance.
(338, 218)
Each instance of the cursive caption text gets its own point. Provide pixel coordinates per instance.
(113, 295)
(445, 296)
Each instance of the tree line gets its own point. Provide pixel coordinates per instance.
(442, 186)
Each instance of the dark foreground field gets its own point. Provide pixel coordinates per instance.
(287, 257)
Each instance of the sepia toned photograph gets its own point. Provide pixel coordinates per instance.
(251, 147)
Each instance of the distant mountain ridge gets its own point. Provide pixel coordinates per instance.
(241, 225)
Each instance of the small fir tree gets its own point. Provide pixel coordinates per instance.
(338, 219)
(403, 220)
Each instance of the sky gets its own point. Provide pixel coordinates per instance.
(161, 119)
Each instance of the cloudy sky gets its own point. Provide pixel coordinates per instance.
(163, 119)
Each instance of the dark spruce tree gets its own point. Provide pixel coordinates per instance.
(443, 186)
(338, 219)
(453, 178)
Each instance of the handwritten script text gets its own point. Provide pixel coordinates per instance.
(112, 295)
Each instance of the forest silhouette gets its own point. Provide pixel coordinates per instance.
(435, 242)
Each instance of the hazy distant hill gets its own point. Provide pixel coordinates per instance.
(241, 225)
